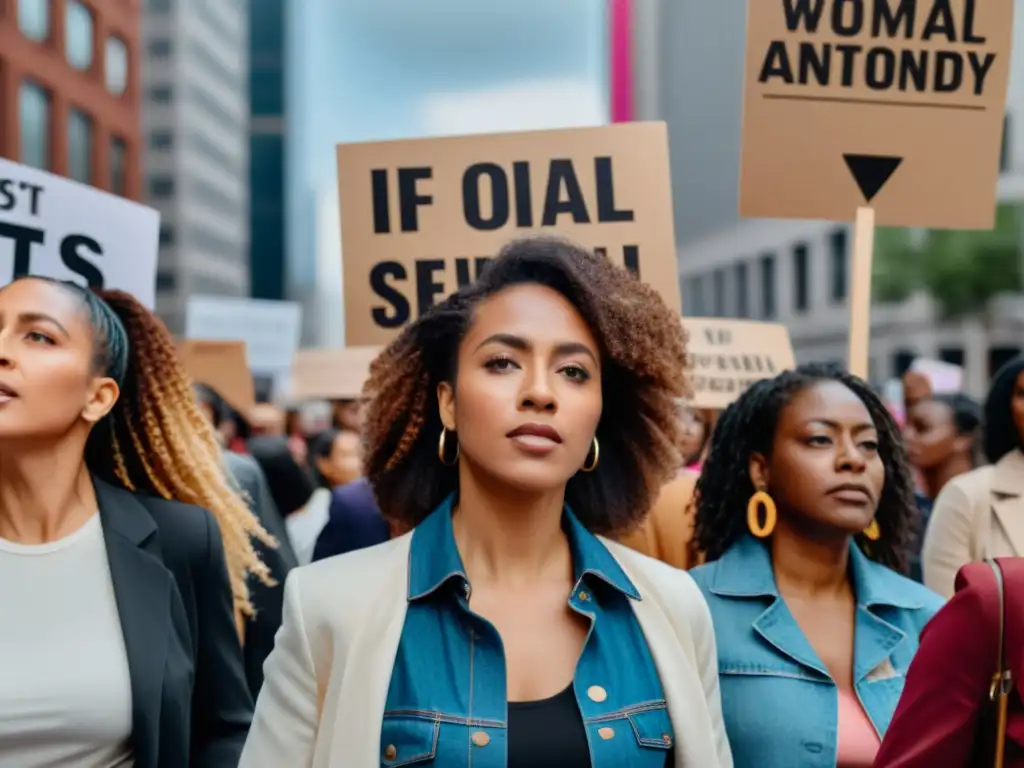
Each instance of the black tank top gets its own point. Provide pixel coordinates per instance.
(550, 734)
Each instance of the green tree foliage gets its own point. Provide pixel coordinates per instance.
(961, 269)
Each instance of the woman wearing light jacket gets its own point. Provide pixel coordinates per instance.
(505, 630)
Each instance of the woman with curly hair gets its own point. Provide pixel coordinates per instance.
(512, 426)
(805, 512)
(124, 552)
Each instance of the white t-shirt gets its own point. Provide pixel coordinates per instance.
(305, 525)
(65, 687)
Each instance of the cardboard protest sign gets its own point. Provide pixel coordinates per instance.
(331, 374)
(724, 357)
(894, 103)
(221, 366)
(57, 228)
(421, 218)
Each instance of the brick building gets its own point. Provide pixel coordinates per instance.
(69, 89)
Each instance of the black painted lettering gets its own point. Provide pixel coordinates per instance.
(397, 313)
(24, 238)
(605, 179)
(409, 197)
(848, 53)
(805, 13)
(980, 66)
(561, 175)
(940, 22)
(427, 287)
(631, 258)
(969, 36)
(847, 17)
(524, 196)
(462, 276)
(914, 71)
(471, 208)
(70, 253)
(381, 205)
(890, 21)
(7, 199)
(881, 72)
(811, 60)
(34, 191)
(949, 72)
(776, 64)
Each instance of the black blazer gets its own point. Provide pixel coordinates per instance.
(191, 706)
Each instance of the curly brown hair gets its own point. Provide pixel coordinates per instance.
(642, 346)
(155, 440)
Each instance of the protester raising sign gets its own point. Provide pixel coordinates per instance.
(58, 228)
(893, 103)
(421, 218)
(724, 357)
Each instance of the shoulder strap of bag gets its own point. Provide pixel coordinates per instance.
(1002, 680)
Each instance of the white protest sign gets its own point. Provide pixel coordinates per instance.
(270, 329)
(54, 227)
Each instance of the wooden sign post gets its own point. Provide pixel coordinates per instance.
(867, 88)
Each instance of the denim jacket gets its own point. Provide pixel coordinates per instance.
(779, 702)
(448, 685)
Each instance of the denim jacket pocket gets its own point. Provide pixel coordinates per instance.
(408, 739)
(652, 727)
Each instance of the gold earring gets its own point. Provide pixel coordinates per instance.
(592, 465)
(442, 445)
(758, 500)
(873, 532)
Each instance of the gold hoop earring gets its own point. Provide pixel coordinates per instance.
(758, 500)
(592, 465)
(873, 532)
(442, 445)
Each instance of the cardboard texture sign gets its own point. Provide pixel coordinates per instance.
(421, 218)
(896, 104)
(724, 357)
(331, 374)
(222, 366)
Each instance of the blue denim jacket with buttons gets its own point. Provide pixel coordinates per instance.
(446, 703)
(779, 702)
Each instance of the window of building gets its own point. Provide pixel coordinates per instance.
(999, 356)
(952, 355)
(34, 125)
(768, 308)
(79, 146)
(166, 281)
(698, 307)
(34, 19)
(161, 94)
(118, 166)
(161, 140)
(902, 359)
(801, 277)
(116, 65)
(839, 244)
(742, 295)
(161, 186)
(166, 236)
(159, 48)
(1004, 150)
(718, 292)
(78, 35)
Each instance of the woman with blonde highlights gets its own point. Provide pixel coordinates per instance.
(124, 552)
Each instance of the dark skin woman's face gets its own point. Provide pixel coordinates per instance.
(1017, 404)
(931, 435)
(825, 473)
(47, 384)
(527, 397)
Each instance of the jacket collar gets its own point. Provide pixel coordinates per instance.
(745, 570)
(434, 558)
(1008, 478)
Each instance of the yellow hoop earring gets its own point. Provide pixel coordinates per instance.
(592, 465)
(873, 532)
(758, 500)
(442, 445)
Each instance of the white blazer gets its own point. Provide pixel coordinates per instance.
(326, 681)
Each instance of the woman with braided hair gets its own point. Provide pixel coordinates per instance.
(510, 426)
(124, 552)
(805, 512)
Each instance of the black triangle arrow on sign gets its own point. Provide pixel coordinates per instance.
(871, 172)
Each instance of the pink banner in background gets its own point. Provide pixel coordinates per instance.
(620, 13)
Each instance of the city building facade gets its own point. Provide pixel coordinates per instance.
(70, 90)
(195, 125)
